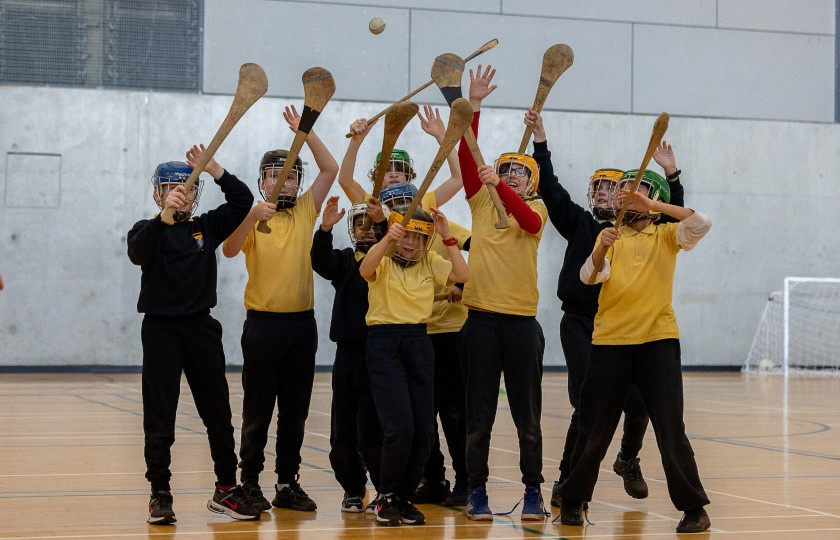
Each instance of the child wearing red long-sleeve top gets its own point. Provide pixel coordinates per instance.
(502, 333)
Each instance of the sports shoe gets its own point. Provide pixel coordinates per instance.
(631, 472)
(432, 492)
(534, 508)
(459, 494)
(571, 513)
(371, 507)
(292, 496)
(254, 495)
(160, 508)
(353, 503)
(556, 499)
(478, 508)
(694, 521)
(233, 503)
(409, 514)
(388, 510)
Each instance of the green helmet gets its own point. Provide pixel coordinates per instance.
(658, 190)
(402, 163)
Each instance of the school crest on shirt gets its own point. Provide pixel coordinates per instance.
(199, 240)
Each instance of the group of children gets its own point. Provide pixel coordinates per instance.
(419, 332)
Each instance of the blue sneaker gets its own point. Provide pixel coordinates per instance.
(534, 508)
(478, 508)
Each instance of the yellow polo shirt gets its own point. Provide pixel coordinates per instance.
(447, 316)
(398, 295)
(503, 262)
(279, 265)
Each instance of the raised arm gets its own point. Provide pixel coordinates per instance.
(433, 125)
(327, 165)
(480, 88)
(326, 261)
(460, 273)
(354, 191)
(370, 263)
(664, 156)
(598, 259)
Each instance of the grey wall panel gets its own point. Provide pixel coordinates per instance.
(598, 80)
(728, 73)
(684, 12)
(286, 38)
(481, 6)
(812, 16)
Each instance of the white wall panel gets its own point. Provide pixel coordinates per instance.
(809, 16)
(683, 12)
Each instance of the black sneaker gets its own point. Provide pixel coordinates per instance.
(694, 521)
(292, 496)
(160, 508)
(459, 494)
(432, 492)
(388, 510)
(409, 514)
(371, 507)
(353, 503)
(631, 472)
(571, 513)
(254, 495)
(233, 503)
(556, 499)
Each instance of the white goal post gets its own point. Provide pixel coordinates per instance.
(799, 329)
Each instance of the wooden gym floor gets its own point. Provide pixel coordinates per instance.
(71, 448)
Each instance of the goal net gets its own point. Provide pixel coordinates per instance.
(799, 329)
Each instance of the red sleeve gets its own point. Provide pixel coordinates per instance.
(528, 220)
(469, 171)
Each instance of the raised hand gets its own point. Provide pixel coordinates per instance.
(534, 118)
(360, 128)
(331, 215)
(263, 212)
(396, 232)
(432, 123)
(291, 116)
(441, 223)
(488, 175)
(638, 202)
(212, 168)
(480, 84)
(664, 156)
(374, 210)
(176, 198)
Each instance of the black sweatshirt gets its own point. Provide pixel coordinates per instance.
(350, 305)
(178, 261)
(580, 229)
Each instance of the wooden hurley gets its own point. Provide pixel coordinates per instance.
(460, 118)
(556, 60)
(395, 121)
(252, 85)
(446, 72)
(484, 48)
(659, 129)
(318, 88)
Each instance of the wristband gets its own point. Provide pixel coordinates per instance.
(451, 241)
(673, 176)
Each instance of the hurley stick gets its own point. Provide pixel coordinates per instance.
(556, 61)
(395, 121)
(251, 86)
(446, 72)
(484, 48)
(318, 88)
(659, 129)
(460, 118)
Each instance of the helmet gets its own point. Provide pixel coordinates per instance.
(398, 196)
(402, 163)
(421, 223)
(271, 164)
(600, 178)
(175, 172)
(528, 170)
(368, 239)
(658, 190)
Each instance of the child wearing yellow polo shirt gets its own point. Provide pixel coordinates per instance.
(399, 353)
(636, 341)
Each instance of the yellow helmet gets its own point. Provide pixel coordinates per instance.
(528, 170)
(612, 176)
(421, 222)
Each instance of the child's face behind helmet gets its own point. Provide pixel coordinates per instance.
(601, 194)
(652, 186)
(400, 168)
(168, 176)
(520, 172)
(271, 165)
(398, 196)
(418, 236)
(362, 240)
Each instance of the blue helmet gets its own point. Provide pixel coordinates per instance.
(174, 172)
(398, 196)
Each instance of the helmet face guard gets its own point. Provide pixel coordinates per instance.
(399, 162)
(270, 166)
(418, 237)
(171, 174)
(361, 240)
(658, 190)
(602, 192)
(398, 197)
(521, 172)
